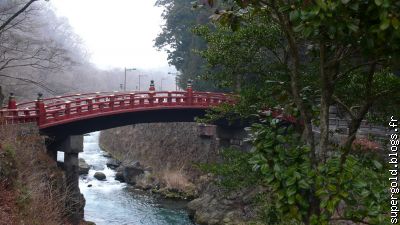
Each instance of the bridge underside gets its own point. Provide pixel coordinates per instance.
(84, 126)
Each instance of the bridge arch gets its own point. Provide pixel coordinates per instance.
(83, 113)
(65, 118)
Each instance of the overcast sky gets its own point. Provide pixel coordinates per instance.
(117, 33)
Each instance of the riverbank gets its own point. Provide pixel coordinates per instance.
(171, 153)
(32, 187)
(166, 155)
(110, 202)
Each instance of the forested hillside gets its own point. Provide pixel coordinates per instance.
(178, 39)
(303, 59)
(40, 52)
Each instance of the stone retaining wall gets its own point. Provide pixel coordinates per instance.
(163, 146)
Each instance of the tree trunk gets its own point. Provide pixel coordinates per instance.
(326, 95)
(15, 15)
(356, 121)
(294, 66)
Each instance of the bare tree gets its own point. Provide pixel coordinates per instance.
(13, 16)
(30, 47)
(40, 52)
(7, 11)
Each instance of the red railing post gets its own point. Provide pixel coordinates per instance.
(122, 102)
(67, 109)
(189, 93)
(97, 99)
(208, 99)
(26, 116)
(12, 104)
(131, 100)
(151, 93)
(78, 104)
(112, 97)
(152, 88)
(90, 105)
(101, 106)
(169, 99)
(40, 109)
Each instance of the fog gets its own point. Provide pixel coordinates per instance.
(117, 33)
(73, 46)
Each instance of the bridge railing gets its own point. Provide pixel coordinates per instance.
(125, 101)
(15, 116)
(58, 99)
(50, 110)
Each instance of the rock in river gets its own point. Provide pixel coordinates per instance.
(131, 172)
(83, 167)
(119, 176)
(113, 163)
(107, 155)
(100, 176)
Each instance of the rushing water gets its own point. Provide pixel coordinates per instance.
(111, 202)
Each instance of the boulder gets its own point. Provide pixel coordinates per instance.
(85, 222)
(131, 172)
(113, 163)
(119, 176)
(214, 208)
(100, 176)
(83, 167)
(120, 169)
(107, 155)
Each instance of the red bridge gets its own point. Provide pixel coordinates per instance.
(83, 113)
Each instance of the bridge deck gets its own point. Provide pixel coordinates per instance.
(63, 110)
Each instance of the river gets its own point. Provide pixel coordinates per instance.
(110, 202)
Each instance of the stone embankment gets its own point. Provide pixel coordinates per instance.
(162, 158)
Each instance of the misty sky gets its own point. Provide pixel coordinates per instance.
(117, 33)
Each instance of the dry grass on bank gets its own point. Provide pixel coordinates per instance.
(175, 180)
(37, 191)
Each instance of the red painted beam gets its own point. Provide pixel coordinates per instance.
(65, 109)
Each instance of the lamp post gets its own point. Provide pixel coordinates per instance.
(176, 79)
(127, 69)
(141, 75)
(163, 78)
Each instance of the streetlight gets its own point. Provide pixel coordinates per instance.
(176, 79)
(141, 75)
(163, 78)
(127, 69)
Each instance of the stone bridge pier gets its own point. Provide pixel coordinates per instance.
(226, 137)
(71, 146)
